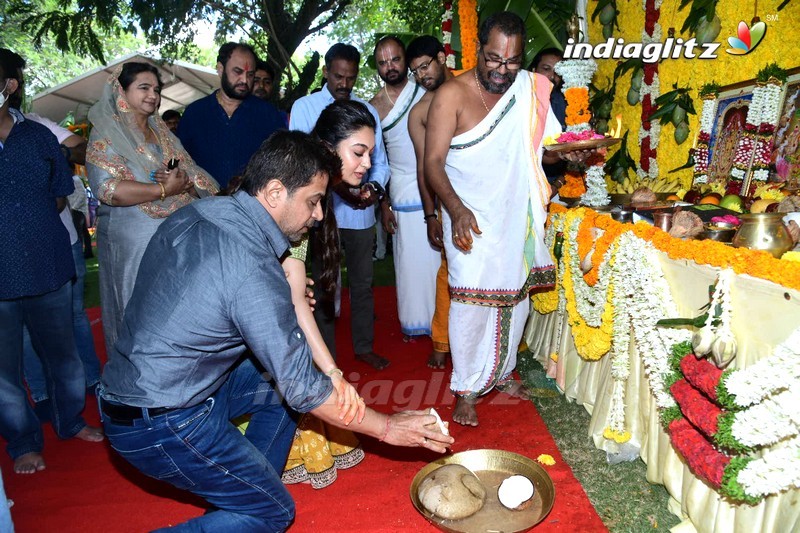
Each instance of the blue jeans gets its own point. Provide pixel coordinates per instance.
(6, 525)
(198, 449)
(82, 330)
(48, 318)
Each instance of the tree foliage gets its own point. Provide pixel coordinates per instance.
(47, 64)
(275, 28)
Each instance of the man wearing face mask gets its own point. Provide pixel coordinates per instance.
(224, 129)
(355, 214)
(36, 272)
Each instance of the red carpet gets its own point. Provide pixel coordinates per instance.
(87, 488)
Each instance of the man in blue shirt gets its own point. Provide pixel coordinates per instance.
(355, 217)
(222, 130)
(36, 271)
(176, 376)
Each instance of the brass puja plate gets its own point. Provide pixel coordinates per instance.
(588, 144)
(492, 467)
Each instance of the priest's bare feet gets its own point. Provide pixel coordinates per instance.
(90, 434)
(437, 360)
(372, 359)
(464, 412)
(515, 388)
(29, 463)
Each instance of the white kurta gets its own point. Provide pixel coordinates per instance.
(415, 261)
(496, 171)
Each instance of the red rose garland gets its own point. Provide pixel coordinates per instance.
(703, 375)
(702, 458)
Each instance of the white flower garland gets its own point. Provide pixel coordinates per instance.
(768, 422)
(654, 90)
(575, 72)
(769, 375)
(589, 300)
(648, 300)
(447, 38)
(701, 154)
(596, 192)
(775, 472)
(620, 352)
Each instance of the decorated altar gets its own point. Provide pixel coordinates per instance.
(596, 335)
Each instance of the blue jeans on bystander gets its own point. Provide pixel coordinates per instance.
(48, 318)
(82, 330)
(198, 449)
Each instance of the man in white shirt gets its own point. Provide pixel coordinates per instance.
(356, 221)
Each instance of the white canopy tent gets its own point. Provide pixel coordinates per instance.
(183, 84)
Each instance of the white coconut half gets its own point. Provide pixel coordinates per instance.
(514, 491)
(442, 426)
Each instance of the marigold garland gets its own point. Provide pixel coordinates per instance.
(577, 105)
(573, 185)
(591, 343)
(468, 26)
(755, 263)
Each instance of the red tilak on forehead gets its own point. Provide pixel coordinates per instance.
(246, 66)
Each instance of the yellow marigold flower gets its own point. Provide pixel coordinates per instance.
(791, 256)
(617, 436)
(546, 460)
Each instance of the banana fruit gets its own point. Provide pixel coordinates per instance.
(629, 185)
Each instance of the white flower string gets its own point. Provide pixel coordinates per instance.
(590, 300)
(769, 375)
(654, 90)
(701, 154)
(596, 192)
(775, 472)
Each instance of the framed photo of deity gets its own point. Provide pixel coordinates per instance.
(786, 145)
(733, 102)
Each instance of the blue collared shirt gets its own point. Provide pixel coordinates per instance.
(305, 113)
(210, 285)
(37, 256)
(222, 146)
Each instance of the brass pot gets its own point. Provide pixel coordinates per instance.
(763, 231)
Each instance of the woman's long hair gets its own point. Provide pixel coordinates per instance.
(336, 123)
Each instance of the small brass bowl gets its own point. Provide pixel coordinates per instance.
(492, 467)
(720, 231)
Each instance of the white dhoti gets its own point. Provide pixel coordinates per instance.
(495, 168)
(415, 260)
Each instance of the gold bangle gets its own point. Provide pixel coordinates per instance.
(163, 191)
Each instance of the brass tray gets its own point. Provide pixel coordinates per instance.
(588, 144)
(492, 467)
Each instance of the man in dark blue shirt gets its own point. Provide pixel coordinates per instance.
(36, 270)
(178, 372)
(222, 130)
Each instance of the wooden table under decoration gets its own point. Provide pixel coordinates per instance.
(764, 300)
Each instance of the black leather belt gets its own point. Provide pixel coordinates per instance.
(127, 414)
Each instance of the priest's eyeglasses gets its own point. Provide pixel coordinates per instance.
(422, 68)
(513, 63)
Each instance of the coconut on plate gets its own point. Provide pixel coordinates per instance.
(516, 493)
(452, 492)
